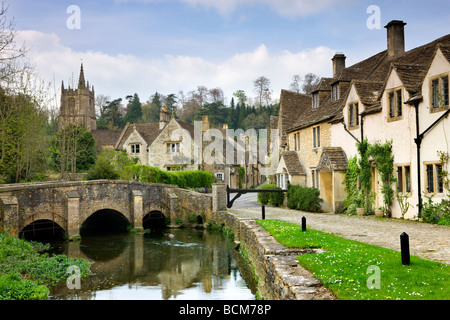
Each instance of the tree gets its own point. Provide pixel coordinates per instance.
(111, 116)
(22, 137)
(216, 95)
(310, 82)
(241, 96)
(134, 109)
(12, 62)
(171, 103)
(262, 88)
(73, 149)
(295, 84)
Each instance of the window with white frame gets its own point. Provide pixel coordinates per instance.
(135, 148)
(173, 147)
(315, 100)
(220, 176)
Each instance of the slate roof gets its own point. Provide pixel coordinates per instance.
(334, 159)
(292, 162)
(367, 75)
(292, 106)
(148, 131)
(106, 137)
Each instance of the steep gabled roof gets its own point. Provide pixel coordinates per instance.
(292, 162)
(292, 106)
(148, 131)
(334, 159)
(106, 137)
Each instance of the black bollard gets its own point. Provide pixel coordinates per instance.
(404, 246)
(303, 224)
(263, 209)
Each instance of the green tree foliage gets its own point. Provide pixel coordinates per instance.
(384, 160)
(23, 139)
(73, 149)
(183, 179)
(110, 164)
(274, 198)
(134, 110)
(110, 117)
(302, 198)
(171, 104)
(365, 173)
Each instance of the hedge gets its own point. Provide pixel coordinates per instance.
(274, 198)
(183, 179)
(302, 198)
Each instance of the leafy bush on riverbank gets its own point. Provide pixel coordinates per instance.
(26, 274)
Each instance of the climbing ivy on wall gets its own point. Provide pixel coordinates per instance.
(383, 158)
(365, 174)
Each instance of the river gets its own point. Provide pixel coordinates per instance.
(171, 264)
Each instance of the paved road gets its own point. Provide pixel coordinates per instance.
(427, 241)
(247, 200)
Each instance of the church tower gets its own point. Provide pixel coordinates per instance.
(77, 105)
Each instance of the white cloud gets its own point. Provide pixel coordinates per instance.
(120, 75)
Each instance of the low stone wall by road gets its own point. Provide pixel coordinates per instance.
(280, 277)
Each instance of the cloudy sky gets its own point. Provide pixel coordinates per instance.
(144, 46)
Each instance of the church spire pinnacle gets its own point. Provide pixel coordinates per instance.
(81, 81)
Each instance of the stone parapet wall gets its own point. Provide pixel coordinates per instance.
(280, 277)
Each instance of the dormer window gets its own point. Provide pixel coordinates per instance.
(315, 100)
(335, 92)
(353, 115)
(395, 104)
(439, 93)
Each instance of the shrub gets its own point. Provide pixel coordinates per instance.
(276, 198)
(302, 198)
(183, 179)
(102, 169)
(264, 197)
(438, 213)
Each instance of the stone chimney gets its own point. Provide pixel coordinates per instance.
(395, 38)
(205, 123)
(164, 117)
(338, 63)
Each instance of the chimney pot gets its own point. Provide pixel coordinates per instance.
(338, 63)
(395, 38)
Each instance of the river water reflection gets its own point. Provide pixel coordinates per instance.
(186, 264)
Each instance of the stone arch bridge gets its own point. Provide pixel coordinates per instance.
(70, 203)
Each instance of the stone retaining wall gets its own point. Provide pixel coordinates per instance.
(280, 277)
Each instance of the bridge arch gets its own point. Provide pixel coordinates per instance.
(106, 220)
(155, 219)
(42, 230)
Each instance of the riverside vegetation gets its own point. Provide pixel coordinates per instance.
(26, 272)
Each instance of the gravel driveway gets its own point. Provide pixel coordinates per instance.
(427, 241)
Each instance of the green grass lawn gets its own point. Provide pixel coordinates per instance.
(350, 268)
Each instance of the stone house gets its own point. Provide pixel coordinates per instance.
(395, 95)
